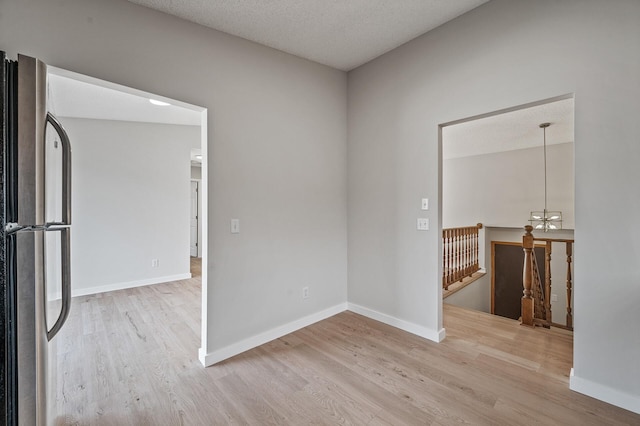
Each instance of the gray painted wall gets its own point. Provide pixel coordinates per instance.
(130, 203)
(276, 148)
(504, 54)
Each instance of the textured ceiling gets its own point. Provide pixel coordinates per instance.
(510, 131)
(343, 34)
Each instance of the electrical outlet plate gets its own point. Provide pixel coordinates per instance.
(425, 204)
(305, 292)
(235, 226)
(423, 224)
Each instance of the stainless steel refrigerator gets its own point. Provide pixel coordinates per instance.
(35, 250)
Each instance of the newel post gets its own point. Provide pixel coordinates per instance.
(527, 274)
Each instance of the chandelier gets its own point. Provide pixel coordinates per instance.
(545, 220)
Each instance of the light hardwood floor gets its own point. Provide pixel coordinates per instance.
(130, 358)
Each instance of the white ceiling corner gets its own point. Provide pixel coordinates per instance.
(342, 34)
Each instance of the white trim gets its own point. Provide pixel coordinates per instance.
(214, 357)
(204, 234)
(418, 330)
(130, 284)
(604, 393)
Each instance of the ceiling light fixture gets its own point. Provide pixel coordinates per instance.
(159, 103)
(545, 220)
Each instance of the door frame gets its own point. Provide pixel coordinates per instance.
(203, 197)
(493, 267)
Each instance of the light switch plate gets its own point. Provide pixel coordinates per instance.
(235, 226)
(423, 224)
(425, 204)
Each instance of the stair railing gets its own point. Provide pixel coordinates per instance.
(459, 253)
(536, 299)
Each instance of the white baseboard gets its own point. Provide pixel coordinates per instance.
(418, 330)
(130, 284)
(604, 393)
(214, 357)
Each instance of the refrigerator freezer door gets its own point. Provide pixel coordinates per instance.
(57, 174)
(53, 176)
(32, 119)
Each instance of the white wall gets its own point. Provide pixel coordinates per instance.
(504, 54)
(502, 188)
(276, 152)
(130, 203)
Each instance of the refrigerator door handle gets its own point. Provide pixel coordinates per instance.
(66, 170)
(65, 239)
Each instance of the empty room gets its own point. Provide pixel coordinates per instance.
(318, 298)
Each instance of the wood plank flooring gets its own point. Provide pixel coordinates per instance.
(129, 357)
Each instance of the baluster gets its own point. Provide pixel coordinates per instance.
(461, 248)
(460, 253)
(464, 253)
(472, 250)
(547, 282)
(445, 266)
(444, 258)
(475, 249)
(469, 258)
(527, 301)
(569, 285)
(456, 254)
(452, 266)
(449, 256)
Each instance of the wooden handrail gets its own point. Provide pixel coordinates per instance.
(536, 299)
(459, 253)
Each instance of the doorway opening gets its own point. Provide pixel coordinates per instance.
(492, 174)
(130, 182)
